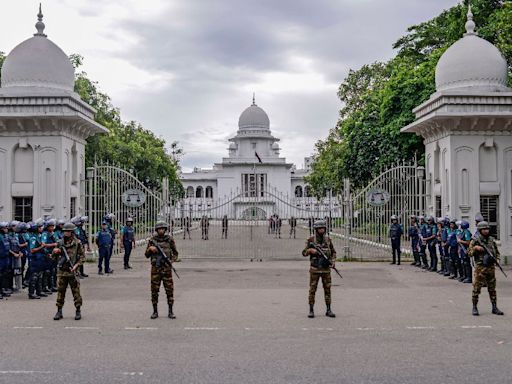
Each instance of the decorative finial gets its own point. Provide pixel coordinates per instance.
(40, 25)
(253, 98)
(470, 24)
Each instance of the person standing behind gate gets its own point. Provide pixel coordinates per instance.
(82, 236)
(395, 234)
(205, 224)
(225, 227)
(104, 242)
(186, 227)
(293, 227)
(128, 241)
(161, 272)
(414, 235)
(320, 267)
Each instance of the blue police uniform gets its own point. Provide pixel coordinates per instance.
(37, 266)
(454, 253)
(4, 263)
(395, 233)
(104, 242)
(128, 235)
(414, 236)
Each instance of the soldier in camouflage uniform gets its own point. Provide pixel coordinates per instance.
(67, 271)
(161, 271)
(320, 267)
(485, 253)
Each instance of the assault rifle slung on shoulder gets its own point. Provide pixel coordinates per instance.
(164, 257)
(322, 253)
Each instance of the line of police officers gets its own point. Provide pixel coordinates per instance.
(453, 251)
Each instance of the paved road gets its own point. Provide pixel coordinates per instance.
(245, 322)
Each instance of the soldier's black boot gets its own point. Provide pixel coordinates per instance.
(78, 314)
(155, 311)
(329, 313)
(475, 309)
(171, 314)
(469, 272)
(58, 315)
(311, 311)
(495, 309)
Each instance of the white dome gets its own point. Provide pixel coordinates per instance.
(275, 146)
(232, 146)
(472, 62)
(38, 62)
(254, 117)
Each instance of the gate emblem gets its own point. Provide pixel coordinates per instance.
(377, 197)
(133, 198)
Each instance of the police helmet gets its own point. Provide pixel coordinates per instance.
(4, 224)
(430, 218)
(453, 221)
(479, 217)
(39, 223)
(13, 223)
(61, 222)
(69, 227)
(320, 224)
(464, 224)
(129, 220)
(104, 222)
(76, 220)
(440, 220)
(421, 218)
(394, 217)
(482, 225)
(161, 224)
(84, 219)
(413, 217)
(51, 222)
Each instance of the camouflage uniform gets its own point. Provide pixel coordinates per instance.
(160, 271)
(318, 269)
(65, 277)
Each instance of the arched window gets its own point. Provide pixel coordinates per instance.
(199, 192)
(307, 191)
(298, 191)
(190, 192)
(209, 192)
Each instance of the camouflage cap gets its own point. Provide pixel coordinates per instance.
(320, 224)
(69, 227)
(161, 224)
(482, 225)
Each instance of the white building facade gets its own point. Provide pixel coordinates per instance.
(43, 129)
(467, 131)
(253, 170)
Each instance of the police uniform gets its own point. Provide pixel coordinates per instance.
(320, 268)
(225, 227)
(37, 262)
(4, 259)
(395, 234)
(453, 250)
(161, 272)
(104, 243)
(464, 241)
(128, 241)
(66, 270)
(485, 254)
(414, 236)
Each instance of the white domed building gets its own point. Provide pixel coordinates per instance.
(43, 128)
(467, 129)
(253, 169)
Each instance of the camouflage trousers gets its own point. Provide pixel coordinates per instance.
(314, 277)
(62, 284)
(484, 276)
(162, 275)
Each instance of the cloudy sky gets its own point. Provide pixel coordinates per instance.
(186, 69)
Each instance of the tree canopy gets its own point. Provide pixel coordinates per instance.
(378, 98)
(126, 143)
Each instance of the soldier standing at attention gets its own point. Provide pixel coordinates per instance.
(395, 234)
(320, 267)
(67, 269)
(485, 253)
(128, 241)
(160, 270)
(225, 227)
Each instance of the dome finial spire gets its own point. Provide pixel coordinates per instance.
(254, 98)
(470, 24)
(40, 25)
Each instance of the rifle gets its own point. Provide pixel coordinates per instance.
(68, 259)
(492, 257)
(164, 256)
(322, 253)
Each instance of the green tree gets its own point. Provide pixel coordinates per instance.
(378, 99)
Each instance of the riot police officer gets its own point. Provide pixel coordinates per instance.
(37, 261)
(464, 241)
(455, 265)
(104, 243)
(128, 241)
(395, 234)
(161, 271)
(4, 258)
(80, 234)
(320, 267)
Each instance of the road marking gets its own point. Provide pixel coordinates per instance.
(81, 328)
(28, 327)
(421, 327)
(365, 329)
(133, 373)
(140, 328)
(23, 372)
(201, 328)
(476, 326)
